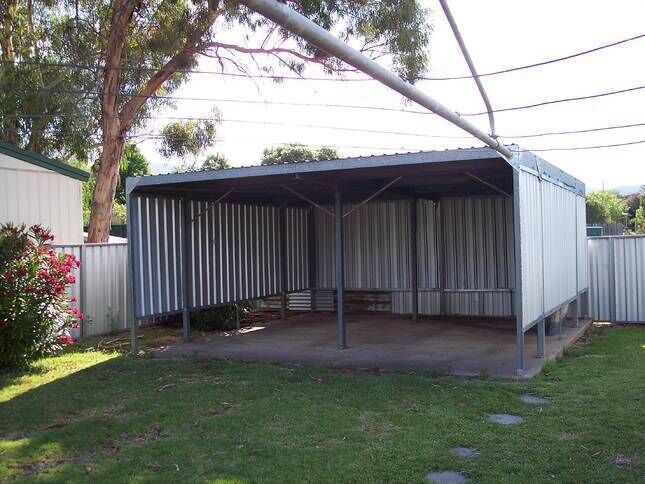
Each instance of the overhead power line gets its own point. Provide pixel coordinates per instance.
(557, 101)
(348, 106)
(155, 136)
(98, 67)
(342, 128)
(593, 147)
(539, 64)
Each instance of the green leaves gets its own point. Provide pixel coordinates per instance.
(295, 152)
(605, 206)
(187, 138)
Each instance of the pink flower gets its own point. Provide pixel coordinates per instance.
(66, 339)
(73, 299)
(71, 279)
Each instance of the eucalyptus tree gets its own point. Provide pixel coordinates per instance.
(110, 64)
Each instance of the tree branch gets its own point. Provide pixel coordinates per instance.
(130, 109)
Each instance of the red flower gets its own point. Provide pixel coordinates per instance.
(73, 299)
(42, 273)
(71, 279)
(74, 325)
(21, 271)
(66, 339)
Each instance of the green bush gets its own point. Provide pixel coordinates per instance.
(35, 311)
(222, 318)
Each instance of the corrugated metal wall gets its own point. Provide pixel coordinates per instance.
(31, 195)
(617, 278)
(156, 235)
(552, 245)
(233, 252)
(473, 236)
(102, 287)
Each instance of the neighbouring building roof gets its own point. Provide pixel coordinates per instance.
(44, 162)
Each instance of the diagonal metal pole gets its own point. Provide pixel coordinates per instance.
(300, 25)
(471, 65)
(373, 195)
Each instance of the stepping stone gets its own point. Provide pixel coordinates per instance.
(505, 419)
(446, 477)
(533, 400)
(568, 436)
(465, 452)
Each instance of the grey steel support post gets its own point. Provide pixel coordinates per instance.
(312, 259)
(185, 273)
(134, 329)
(413, 260)
(340, 269)
(283, 262)
(517, 231)
(541, 334)
(519, 356)
(441, 259)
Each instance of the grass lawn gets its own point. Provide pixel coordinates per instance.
(101, 416)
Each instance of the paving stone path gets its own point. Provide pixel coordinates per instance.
(505, 419)
(533, 400)
(446, 477)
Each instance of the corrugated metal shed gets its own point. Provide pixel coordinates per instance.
(463, 232)
(37, 190)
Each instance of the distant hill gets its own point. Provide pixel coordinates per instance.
(628, 189)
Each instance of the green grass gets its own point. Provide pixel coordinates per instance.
(103, 416)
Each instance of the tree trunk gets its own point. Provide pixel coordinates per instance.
(113, 136)
(105, 188)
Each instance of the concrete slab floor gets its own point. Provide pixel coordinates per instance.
(461, 347)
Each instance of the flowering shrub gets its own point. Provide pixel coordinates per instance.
(35, 311)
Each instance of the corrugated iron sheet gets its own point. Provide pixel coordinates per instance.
(617, 278)
(233, 252)
(102, 287)
(552, 246)
(474, 237)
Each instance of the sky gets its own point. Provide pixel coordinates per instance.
(499, 34)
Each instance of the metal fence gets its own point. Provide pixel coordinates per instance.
(102, 287)
(617, 278)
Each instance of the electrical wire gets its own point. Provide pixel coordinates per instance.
(578, 148)
(341, 128)
(95, 67)
(351, 106)
(556, 101)
(539, 64)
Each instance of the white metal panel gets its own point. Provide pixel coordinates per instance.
(601, 288)
(102, 287)
(233, 253)
(474, 237)
(552, 246)
(583, 282)
(617, 278)
(32, 195)
(531, 246)
(559, 245)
